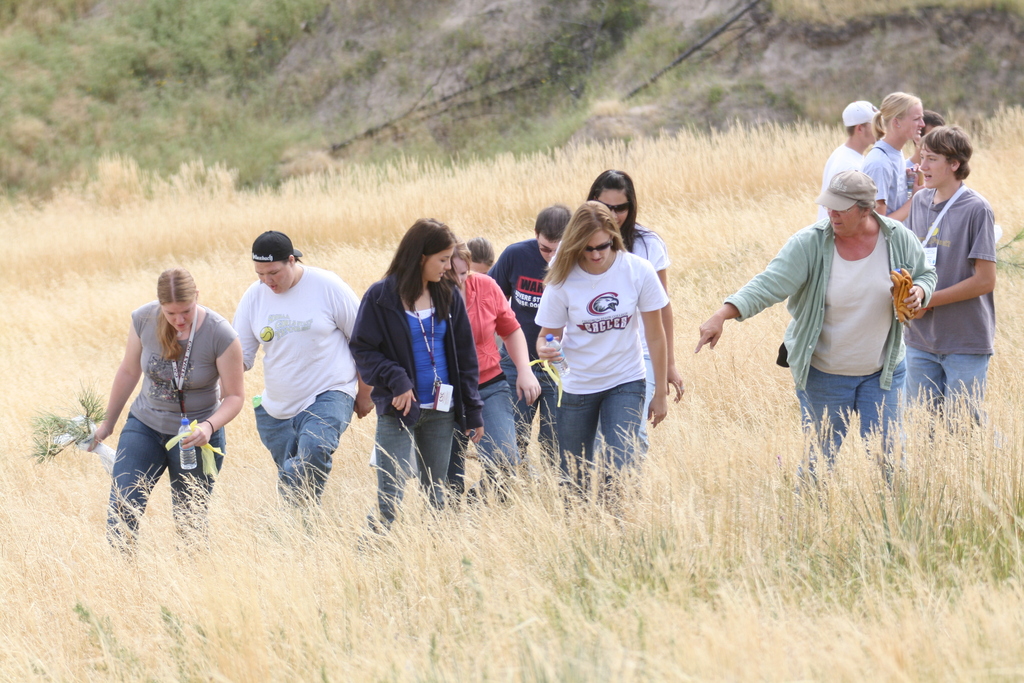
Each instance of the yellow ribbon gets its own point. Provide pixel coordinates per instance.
(552, 373)
(209, 463)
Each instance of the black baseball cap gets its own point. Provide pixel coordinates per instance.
(273, 246)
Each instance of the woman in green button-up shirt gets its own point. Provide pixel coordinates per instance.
(844, 343)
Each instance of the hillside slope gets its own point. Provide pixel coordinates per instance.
(281, 87)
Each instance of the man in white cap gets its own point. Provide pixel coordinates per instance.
(849, 156)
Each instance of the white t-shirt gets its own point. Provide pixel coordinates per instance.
(858, 315)
(842, 159)
(601, 315)
(305, 334)
(649, 245)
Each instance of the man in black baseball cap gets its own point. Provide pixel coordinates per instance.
(302, 317)
(273, 246)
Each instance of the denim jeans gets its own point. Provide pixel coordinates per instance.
(828, 401)
(546, 404)
(302, 446)
(142, 457)
(942, 380)
(643, 439)
(497, 449)
(432, 438)
(618, 409)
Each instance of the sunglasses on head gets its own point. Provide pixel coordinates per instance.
(600, 247)
(618, 208)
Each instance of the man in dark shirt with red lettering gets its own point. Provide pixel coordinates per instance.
(519, 271)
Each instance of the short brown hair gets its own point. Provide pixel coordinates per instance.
(551, 222)
(933, 119)
(951, 142)
(481, 250)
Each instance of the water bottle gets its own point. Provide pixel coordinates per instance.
(188, 455)
(562, 366)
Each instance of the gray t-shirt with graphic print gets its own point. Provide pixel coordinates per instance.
(157, 404)
(967, 232)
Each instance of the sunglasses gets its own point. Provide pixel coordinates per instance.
(618, 208)
(600, 247)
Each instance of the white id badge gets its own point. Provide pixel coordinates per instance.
(929, 255)
(443, 398)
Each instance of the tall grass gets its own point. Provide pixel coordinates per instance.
(709, 568)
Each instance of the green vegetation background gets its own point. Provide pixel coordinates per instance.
(166, 82)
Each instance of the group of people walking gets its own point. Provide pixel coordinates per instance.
(847, 350)
(420, 349)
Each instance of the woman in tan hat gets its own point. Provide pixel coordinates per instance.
(844, 344)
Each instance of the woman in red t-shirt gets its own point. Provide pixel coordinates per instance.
(490, 315)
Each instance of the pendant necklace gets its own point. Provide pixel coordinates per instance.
(595, 278)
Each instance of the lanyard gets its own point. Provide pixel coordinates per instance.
(426, 342)
(179, 379)
(935, 225)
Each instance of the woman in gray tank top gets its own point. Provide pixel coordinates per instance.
(190, 362)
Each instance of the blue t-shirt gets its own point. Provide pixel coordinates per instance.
(520, 272)
(887, 167)
(423, 346)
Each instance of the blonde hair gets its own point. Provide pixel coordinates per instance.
(894, 106)
(588, 219)
(174, 286)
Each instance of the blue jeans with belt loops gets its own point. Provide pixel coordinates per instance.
(618, 411)
(546, 405)
(497, 449)
(432, 438)
(302, 446)
(827, 401)
(942, 381)
(142, 457)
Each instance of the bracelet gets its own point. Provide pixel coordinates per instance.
(212, 430)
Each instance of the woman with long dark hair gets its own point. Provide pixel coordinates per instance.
(616, 191)
(190, 362)
(413, 344)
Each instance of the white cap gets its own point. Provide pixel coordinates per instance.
(858, 112)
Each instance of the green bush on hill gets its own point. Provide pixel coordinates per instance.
(163, 80)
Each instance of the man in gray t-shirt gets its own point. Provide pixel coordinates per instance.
(949, 345)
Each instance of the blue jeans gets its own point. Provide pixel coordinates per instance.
(546, 404)
(643, 439)
(432, 437)
(142, 457)
(497, 450)
(828, 401)
(618, 409)
(942, 380)
(302, 446)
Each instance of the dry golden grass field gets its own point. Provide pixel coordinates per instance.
(712, 568)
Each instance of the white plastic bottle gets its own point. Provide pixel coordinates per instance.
(562, 366)
(188, 455)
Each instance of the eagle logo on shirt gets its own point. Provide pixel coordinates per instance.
(602, 303)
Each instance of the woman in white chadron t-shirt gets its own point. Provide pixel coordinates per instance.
(595, 295)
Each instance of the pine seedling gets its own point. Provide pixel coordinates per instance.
(52, 434)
